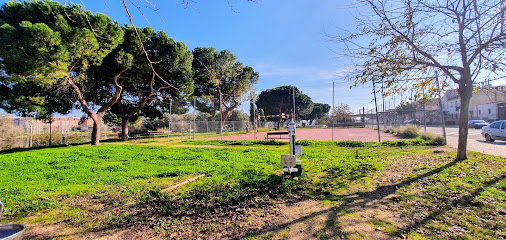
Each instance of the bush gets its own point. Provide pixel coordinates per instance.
(9, 133)
(392, 130)
(437, 141)
(350, 143)
(427, 136)
(304, 142)
(260, 129)
(408, 131)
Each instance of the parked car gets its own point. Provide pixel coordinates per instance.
(477, 124)
(494, 131)
(412, 122)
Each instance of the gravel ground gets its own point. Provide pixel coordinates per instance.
(340, 134)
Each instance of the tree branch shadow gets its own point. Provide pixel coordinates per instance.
(363, 198)
(331, 218)
(461, 202)
(356, 200)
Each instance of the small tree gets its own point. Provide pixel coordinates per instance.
(406, 41)
(341, 113)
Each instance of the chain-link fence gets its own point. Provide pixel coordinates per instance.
(431, 120)
(37, 133)
(188, 118)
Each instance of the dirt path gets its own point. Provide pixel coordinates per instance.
(340, 134)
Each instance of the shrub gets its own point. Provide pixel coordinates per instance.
(9, 133)
(427, 136)
(261, 129)
(350, 143)
(304, 142)
(408, 131)
(392, 130)
(437, 141)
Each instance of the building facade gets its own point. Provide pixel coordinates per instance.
(487, 103)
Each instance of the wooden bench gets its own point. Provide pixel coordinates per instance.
(157, 132)
(280, 135)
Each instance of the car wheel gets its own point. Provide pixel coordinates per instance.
(488, 138)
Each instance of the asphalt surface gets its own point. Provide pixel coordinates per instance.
(475, 142)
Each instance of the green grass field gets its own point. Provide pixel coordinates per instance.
(438, 197)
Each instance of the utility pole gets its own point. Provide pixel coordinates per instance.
(170, 113)
(363, 115)
(194, 116)
(423, 106)
(441, 108)
(293, 96)
(376, 106)
(332, 111)
(253, 96)
(382, 95)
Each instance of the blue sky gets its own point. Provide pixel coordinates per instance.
(283, 40)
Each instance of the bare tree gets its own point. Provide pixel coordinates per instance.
(341, 113)
(406, 41)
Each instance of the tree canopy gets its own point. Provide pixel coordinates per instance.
(147, 93)
(219, 76)
(279, 100)
(46, 42)
(319, 111)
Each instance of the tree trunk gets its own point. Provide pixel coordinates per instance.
(124, 128)
(95, 133)
(465, 92)
(97, 117)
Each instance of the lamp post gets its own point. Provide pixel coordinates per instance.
(170, 113)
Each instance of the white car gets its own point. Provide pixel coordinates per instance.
(495, 131)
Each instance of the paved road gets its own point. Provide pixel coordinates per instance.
(475, 142)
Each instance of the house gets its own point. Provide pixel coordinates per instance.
(487, 103)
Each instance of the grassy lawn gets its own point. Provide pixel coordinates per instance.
(409, 190)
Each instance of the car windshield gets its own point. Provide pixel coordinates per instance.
(481, 121)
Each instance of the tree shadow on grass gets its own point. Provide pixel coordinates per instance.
(209, 210)
(16, 150)
(467, 200)
(361, 199)
(365, 200)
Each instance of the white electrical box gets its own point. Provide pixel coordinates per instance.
(288, 160)
(298, 150)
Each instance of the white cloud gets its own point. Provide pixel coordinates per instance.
(300, 74)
